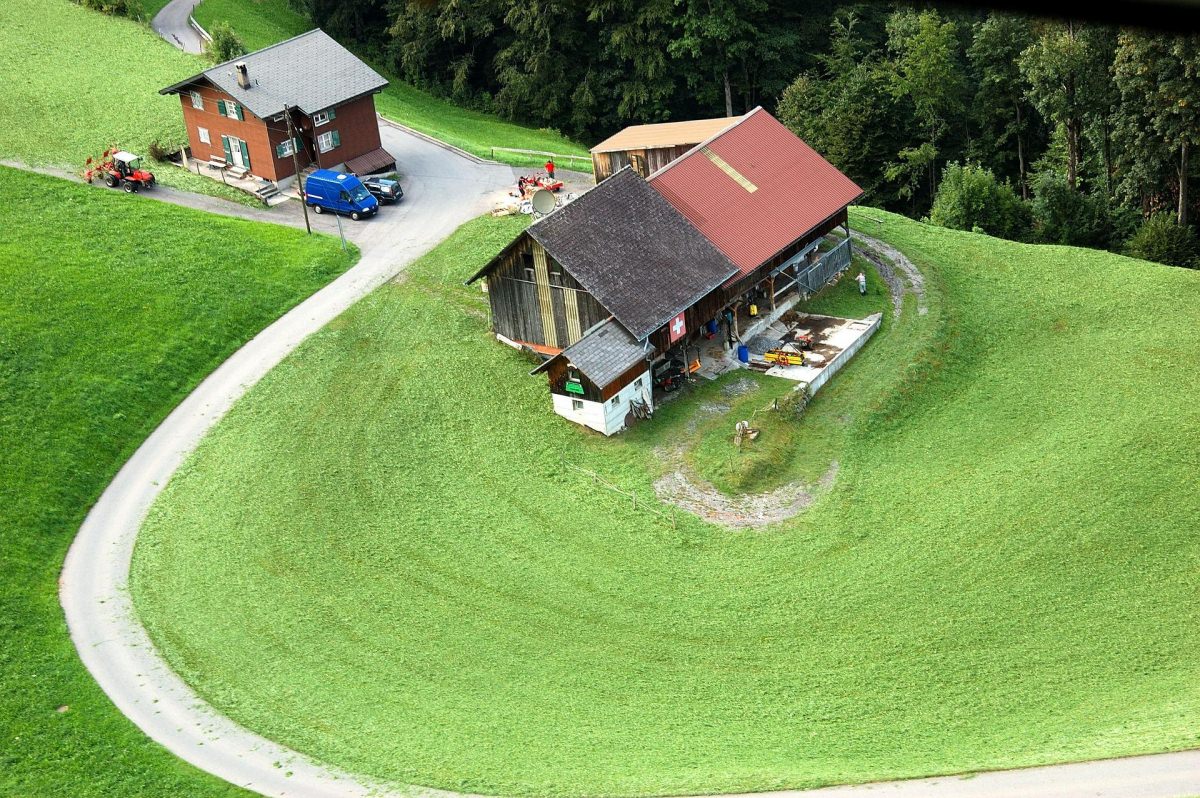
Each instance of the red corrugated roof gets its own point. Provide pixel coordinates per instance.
(794, 189)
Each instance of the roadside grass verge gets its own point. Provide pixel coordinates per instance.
(380, 558)
(114, 308)
(264, 22)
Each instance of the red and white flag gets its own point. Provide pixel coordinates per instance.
(677, 327)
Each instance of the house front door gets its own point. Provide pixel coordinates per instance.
(235, 152)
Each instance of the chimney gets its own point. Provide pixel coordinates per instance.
(243, 77)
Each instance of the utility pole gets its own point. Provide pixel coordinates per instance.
(287, 114)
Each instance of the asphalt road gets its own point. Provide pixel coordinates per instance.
(172, 24)
(442, 190)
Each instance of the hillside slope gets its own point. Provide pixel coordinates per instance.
(114, 308)
(380, 557)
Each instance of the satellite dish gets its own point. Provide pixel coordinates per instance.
(543, 201)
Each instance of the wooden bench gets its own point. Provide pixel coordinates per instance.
(217, 162)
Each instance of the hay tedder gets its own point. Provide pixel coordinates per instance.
(119, 168)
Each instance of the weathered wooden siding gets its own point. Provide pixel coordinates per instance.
(644, 161)
(535, 300)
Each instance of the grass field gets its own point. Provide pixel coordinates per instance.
(264, 22)
(80, 81)
(379, 558)
(114, 308)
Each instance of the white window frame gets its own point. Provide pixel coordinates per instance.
(231, 109)
(320, 118)
(202, 133)
(197, 100)
(289, 147)
(325, 141)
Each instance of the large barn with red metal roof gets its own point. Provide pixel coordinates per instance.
(626, 277)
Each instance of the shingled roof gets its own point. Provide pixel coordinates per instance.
(602, 355)
(310, 72)
(633, 252)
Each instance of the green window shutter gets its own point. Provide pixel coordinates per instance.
(228, 151)
(221, 107)
(332, 115)
(241, 116)
(337, 140)
(245, 154)
(279, 153)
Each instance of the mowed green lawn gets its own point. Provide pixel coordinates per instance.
(380, 558)
(78, 81)
(263, 22)
(114, 308)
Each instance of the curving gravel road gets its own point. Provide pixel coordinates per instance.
(172, 24)
(442, 190)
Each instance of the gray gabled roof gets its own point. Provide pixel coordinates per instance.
(604, 354)
(311, 72)
(631, 250)
(641, 259)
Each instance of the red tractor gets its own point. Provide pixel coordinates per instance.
(120, 168)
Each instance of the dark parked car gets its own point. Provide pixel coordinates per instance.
(385, 190)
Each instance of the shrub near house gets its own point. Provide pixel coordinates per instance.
(237, 111)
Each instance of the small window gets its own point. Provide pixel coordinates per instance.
(614, 401)
(529, 273)
(576, 404)
(637, 383)
(233, 110)
(321, 117)
(197, 100)
(202, 133)
(285, 148)
(556, 276)
(328, 141)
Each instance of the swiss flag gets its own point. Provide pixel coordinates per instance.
(677, 327)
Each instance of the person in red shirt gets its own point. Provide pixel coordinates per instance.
(550, 169)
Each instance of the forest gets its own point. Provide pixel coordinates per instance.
(1049, 130)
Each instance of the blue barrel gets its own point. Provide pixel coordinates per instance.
(712, 326)
(743, 353)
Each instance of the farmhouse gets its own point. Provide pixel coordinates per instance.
(635, 270)
(236, 113)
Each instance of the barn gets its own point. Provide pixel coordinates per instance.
(648, 148)
(638, 267)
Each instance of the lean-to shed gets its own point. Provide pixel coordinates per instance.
(648, 148)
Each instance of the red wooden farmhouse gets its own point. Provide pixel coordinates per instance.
(236, 112)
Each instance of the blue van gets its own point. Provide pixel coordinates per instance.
(327, 190)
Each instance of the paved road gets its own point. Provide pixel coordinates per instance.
(172, 24)
(442, 190)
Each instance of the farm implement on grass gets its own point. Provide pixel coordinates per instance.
(119, 168)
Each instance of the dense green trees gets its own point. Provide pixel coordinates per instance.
(1089, 126)
(970, 198)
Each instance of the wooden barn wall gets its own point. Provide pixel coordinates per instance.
(694, 318)
(605, 164)
(548, 307)
(631, 374)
